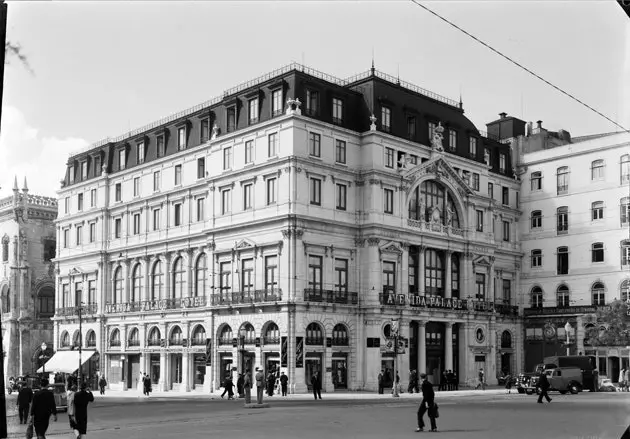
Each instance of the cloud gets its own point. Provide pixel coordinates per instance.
(25, 153)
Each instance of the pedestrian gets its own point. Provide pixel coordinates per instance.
(146, 384)
(43, 406)
(442, 381)
(397, 388)
(24, 399)
(239, 385)
(482, 381)
(543, 383)
(102, 383)
(229, 386)
(455, 381)
(70, 402)
(317, 385)
(626, 379)
(412, 381)
(622, 374)
(508, 383)
(381, 377)
(260, 385)
(271, 381)
(428, 401)
(284, 380)
(81, 401)
(247, 384)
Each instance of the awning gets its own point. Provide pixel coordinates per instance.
(66, 361)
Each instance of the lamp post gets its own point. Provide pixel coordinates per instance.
(43, 356)
(395, 333)
(567, 329)
(79, 378)
(241, 347)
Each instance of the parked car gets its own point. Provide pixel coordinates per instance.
(61, 397)
(565, 379)
(522, 381)
(607, 385)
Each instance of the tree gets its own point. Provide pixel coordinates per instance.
(613, 326)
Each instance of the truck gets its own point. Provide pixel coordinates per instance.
(565, 379)
(580, 362)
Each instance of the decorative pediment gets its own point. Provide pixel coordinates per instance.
(243, 244)
(391, 247)
(440, 169)
(482, 260)
(75, 271)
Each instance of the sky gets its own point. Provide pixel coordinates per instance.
(100, 69)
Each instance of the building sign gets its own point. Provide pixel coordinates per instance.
(156, 305)
(284, 350)
(562, 310)
(394, 299)
(439, 302)
(208, 352)
(299, 351)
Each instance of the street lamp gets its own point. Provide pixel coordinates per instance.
(43, 356)
(395, 332)
(241, 346)
(567, 329)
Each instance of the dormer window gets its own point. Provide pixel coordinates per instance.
(160, 146)
(181, 138)
(84, 170)
(140, 152)
(502, 161)
(337, 111)
(231, 119)
(276, 102)
(253, 111)
(472, 147)
(386, 116)
(205, 130)
(72, 173)
(121, 159)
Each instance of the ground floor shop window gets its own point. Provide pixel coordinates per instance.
(340, 371)
(154, 362)
(312, 364)
(199, 369)
(176, 368)
(115, 369)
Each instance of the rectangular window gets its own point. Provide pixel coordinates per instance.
(79, 235)
(389, 157)
(502, 163)
(231, 119)
(536, 219)
(624, 210)
(475, 181)
(411, 127)
(140, 152)
(247, 196)
(562, 177)
(92, 232)
(71, 174)
(472, 146)
(66, 238)
(97, 166)
(271, 272)
(563, 220)
(249, 151)
(480, 220)
(271, 191)
(597, 209)
(80, 202)
(341, 196)
(161, 151)
(65, 298)
(491, 190)
(84, 170)
(507, 290)
(200, 210)
(179, 213)
(225, 283)
(226, 204)
(156, 181)
(480, 284)
(136, 224)
(252, 106)
(92, 197)
(341, 275)
(67, 205)
(315, 273)
(312, 102)
(597, 170)
(227, 158)
(506, 231)
(117, 227)
(181, 138)
(506, 196)
(597, 252)
(136, 187)
(247, 275)
(340, 151)
(178, 175)
(91, 292)
(337, 111)
(272, 149)
(204, 131)
(389, 200)
(156, 219)
(201, 167)
(432, 126)
(121, 159)
(386, 116)
(276, 102)
(625, 254)
(536, 258)
(314, 145)
(536, 181)
(316, 191)
(118, 191)
(389, 277)
(452, 140)
(563, 260)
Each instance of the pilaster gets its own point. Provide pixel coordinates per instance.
(448, 286)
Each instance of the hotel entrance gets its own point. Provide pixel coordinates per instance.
(340, 370)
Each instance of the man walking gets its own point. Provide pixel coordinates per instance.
(81, 401)
(101, 384)
(23, 402)
(381, 377)
(543, 383)
(247, 384)
(317, 385)
(428, 401)
(260, 385)
(43, 406)
(482, 380)
(284, 380)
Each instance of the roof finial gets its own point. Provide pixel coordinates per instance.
(398, 75)
(372, 69)
(461, 104)
(25, 188)
(15, 185)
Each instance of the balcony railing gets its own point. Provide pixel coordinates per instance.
(271, 340)
(89, 309)
(340, 341)
(316, 341)
(223, 341)
(435, 227)
(153, 342)
(245, 297)
(331, 296)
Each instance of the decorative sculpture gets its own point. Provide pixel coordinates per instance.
(436, 141)
(215, 132)
(373, 125)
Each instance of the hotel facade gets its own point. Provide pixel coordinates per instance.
(300, 223)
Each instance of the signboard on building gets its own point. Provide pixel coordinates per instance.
(284, 350)
(299, 351)
(561, 310)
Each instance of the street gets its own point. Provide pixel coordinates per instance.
(478, 415)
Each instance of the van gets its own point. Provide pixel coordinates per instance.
(565, 379)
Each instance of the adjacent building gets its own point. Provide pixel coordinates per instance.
(27, 279)
(575, 237)
(298, 222)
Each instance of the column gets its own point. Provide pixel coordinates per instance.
(162, 380)
(208, 384)
(463, 353)
(421, 250)
(448, 342)
(126, 287)
(422, 347)
(447, 261)
(468, 287)
(190, 278)
(491, 375)
(491, 292)
(375, 285)
(185, 385)
(404, 278)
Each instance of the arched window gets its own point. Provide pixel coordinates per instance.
(65, 339)
(506, 339)
(154, 337)
(156, 281)
(5, 248)
(563, 296)
(340, 335)
(225, 337)
(314, 334)
(597, 170)
(114, 338)
(624, 290)
(247, 331)
(429, 203)
(624, 168)
(6, 299)
(199, 336)
(562, 175)
(272, 334)
(137, 283)
(118, 286)
(536, 219)
(179, 279)
(455, 275)
(588, 333)
(91, 339)
(134, 337)
(537, 297)
(434, 272)
(46, 303)
(598, 294)
(201, 270)
(176, 336)
(76, 339)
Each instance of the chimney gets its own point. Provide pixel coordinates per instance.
(530, 128)
(502, 115)
(539, 123)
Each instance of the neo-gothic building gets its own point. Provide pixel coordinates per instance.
(27, 279)
(575, 236)
(285, 225)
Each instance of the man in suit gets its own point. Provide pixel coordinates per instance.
(260, 385)
(381, 377)
(428, 400)
(43, 406)
(317, 385)
(284, 381)
(543, 383)
(23, 402)
(81, 401)
(247, 386)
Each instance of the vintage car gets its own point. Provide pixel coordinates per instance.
(61, 397)
(565, 379)
(606, 385)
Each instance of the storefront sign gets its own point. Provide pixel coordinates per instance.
(437, 302)
(284, 350)
(394, 299)
(561, 310)
(299, 351)
(193, 302)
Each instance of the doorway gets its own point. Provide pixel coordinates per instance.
(155, 368)
(225, 370)
(340, 371)
(312, 364)
(247, 361)
(133, 371)
(387, 366)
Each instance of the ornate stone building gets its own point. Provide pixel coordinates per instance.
(27, 278)
(286, 225)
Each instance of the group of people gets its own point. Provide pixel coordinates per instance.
(448, 380)
(624, 380)
(144, 384)
(244, 383)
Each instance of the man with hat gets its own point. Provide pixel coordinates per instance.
(428, 401)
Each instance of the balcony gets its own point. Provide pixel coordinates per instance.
(331, 296)
(435, 227)
(156, 305)
(247, 297)
(506, 309)
(225, 341)
(89, 309)
(271, 340)
(340, 341)
(153, 342)
(314, 341)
